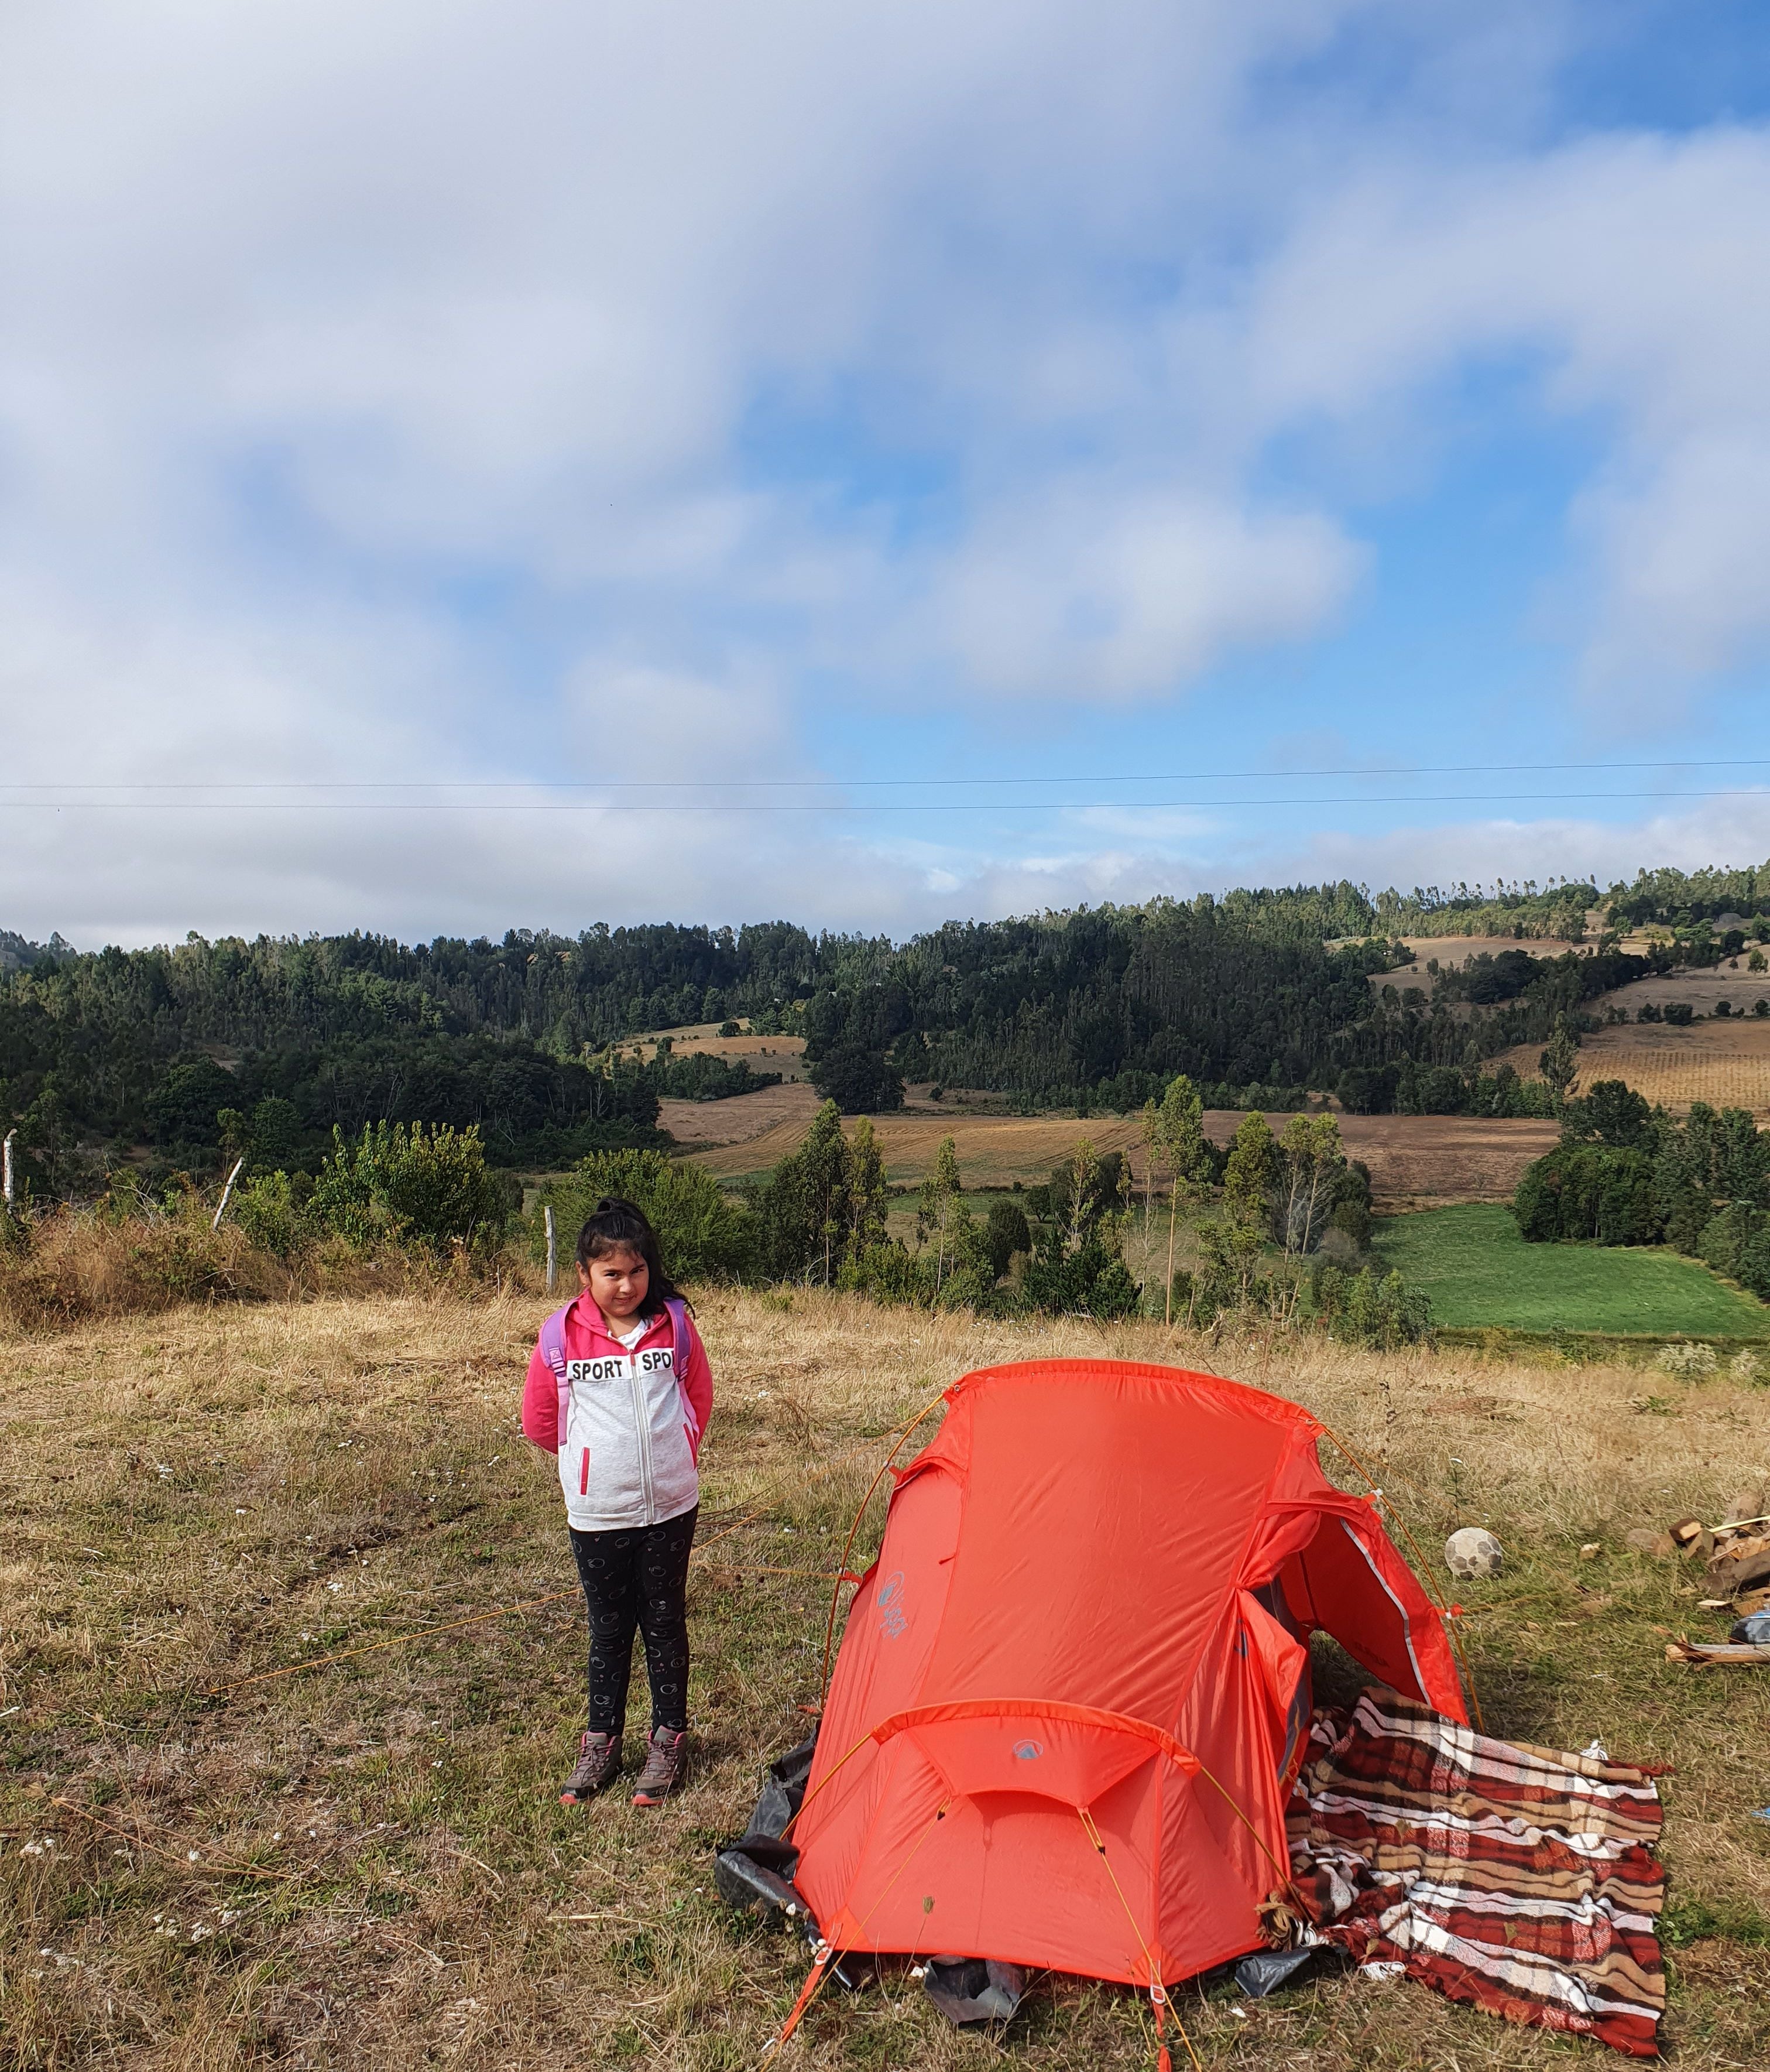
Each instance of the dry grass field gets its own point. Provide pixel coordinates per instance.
(1451, 952)
(740, 1118)
(1726, 1063)
(364, 1865)
(994, 1151)
(1437, 1160)
(1414, 1160)
(785, 1054)
(1738, 986)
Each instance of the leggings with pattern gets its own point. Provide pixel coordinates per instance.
(637, 1578)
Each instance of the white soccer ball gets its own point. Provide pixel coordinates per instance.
(1473, 1552)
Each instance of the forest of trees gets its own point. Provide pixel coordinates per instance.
(186, 1054)
(1627, 1173)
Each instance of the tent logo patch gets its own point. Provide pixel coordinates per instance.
(1028, 1751)
(889, 1604)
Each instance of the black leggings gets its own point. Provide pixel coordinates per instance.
(638, 1578)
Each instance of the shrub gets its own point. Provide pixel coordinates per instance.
(410, 1187)
(1092, 1280)
(1366, 1309)
(701, 1235)
(1744, 1367)
(1688, 1361)
(69, 1266)
(1005, 1232)
(271, 1216)
(888, 1273)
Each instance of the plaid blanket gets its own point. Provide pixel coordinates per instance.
(1516, 1877)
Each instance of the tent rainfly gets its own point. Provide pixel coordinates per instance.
(1072, 1693)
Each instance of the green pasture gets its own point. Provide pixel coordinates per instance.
(1479, 1273)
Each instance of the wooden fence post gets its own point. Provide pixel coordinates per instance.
(553, 1253)
(221, 1208)
(10, 1134)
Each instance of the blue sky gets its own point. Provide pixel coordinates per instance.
(684, 407)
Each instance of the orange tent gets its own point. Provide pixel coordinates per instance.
(1074, 1692)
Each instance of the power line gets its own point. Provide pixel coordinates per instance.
(1375, 776)
(711, 808)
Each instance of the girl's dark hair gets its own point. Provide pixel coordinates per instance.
(617, 1225)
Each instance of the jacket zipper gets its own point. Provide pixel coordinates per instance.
(643, 1423)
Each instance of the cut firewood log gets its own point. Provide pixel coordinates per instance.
(1750, 1504)
(1721, 1655)
(1745, 1573)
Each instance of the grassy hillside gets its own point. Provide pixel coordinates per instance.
(365, 1865)
(1478, 1271)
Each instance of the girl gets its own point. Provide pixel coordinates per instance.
(619, 1388)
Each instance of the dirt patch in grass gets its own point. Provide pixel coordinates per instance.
(364, 1865)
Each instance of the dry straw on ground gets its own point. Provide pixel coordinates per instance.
(365, 1865)
(78, 1266)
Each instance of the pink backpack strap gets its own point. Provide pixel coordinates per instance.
(553, 1350)
(679, 1353)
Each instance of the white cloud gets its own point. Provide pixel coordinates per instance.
(1111, 593)
(629, 721)
(1635, 271)
(443, 390)
(1732, 831)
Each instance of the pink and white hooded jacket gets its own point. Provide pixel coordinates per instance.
(626, 1425)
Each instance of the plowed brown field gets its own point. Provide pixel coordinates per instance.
(1726, 1063)
(785, 1054)
(1414, 1160)
(742, 1118)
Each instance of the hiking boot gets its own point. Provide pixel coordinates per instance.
(665, 1753)
(599, 1758)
